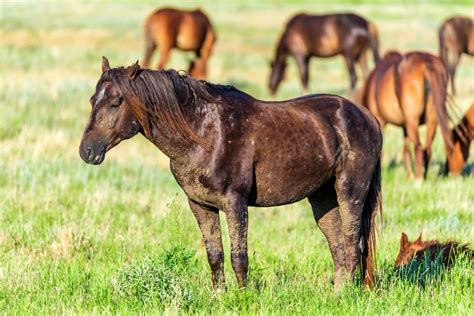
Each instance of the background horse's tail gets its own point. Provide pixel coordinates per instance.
(437, 77)
(373, 204)
(374, 41)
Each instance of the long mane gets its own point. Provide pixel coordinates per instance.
(162, 96)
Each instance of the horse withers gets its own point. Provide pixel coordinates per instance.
(229, 151)
(408, 91)
(169, 28)
(456, 37)
(328, 35)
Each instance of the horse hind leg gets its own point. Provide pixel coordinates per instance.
(350, 60)
(431, 124)
(407, 154)
(150, 47)
(326, 214)
(352, 185)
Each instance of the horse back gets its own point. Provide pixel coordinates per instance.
(326, 35)
(185, 30)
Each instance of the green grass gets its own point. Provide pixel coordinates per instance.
(120, 238)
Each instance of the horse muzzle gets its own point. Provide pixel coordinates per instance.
(92, 154)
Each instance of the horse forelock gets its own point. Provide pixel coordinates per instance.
(161, 96)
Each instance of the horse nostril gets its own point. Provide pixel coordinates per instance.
(89, 153)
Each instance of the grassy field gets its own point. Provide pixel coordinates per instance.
(119, 238)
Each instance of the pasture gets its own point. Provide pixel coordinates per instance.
(120, 238)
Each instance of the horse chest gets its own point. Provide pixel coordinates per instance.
(198, 184)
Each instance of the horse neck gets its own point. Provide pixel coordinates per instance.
(171, 142)
(282, 50)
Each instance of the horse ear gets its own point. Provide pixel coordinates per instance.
(132, 71)
(419, 239)
(404, 243)
(105, 64)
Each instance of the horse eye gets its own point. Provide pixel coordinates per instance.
(115, 105)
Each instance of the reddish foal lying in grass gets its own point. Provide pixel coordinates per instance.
(419, 250)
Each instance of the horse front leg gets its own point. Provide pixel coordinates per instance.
(209, 224)
(236, 212)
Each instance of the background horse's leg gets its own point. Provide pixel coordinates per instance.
(149, 49)
(208, 221)
(303, 61)
(237, 221)
(430, 134)
(164, 55)
(326, 214)
(350, 66)
(412, 131)
(407, 154)
(363, 63)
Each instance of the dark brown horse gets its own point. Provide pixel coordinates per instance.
(329, 35)
(229, 151)
(431, 249)
(462, 134)
(186, 30)
(456, 36)
(408, 91)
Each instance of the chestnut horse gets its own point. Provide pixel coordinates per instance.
(462, 134)
(432, 249)
(186, 30)
(408, 91)
(329, 35)
(456, 36)
(229, 151)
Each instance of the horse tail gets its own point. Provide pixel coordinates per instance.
(208, 43)
(372, 206)
(437, 77)
(374, 41)
(443, 51)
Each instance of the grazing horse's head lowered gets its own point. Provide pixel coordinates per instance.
(276, 75)
(111, 119)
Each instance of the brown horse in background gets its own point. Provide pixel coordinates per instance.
(229, 151)
(456, 36)
(408, 91)
(329, 35)
(432, 249)
(186, 30)
(462, 134)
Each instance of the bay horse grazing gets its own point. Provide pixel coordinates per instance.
(456, 36)
(328, 35)
(462, 135)
(408, 91)
(229, 151)
(169, 28)
(432, 250)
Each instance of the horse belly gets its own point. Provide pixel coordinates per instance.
(328, 44)
(292, 170)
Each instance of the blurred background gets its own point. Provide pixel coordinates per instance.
(67, 229)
